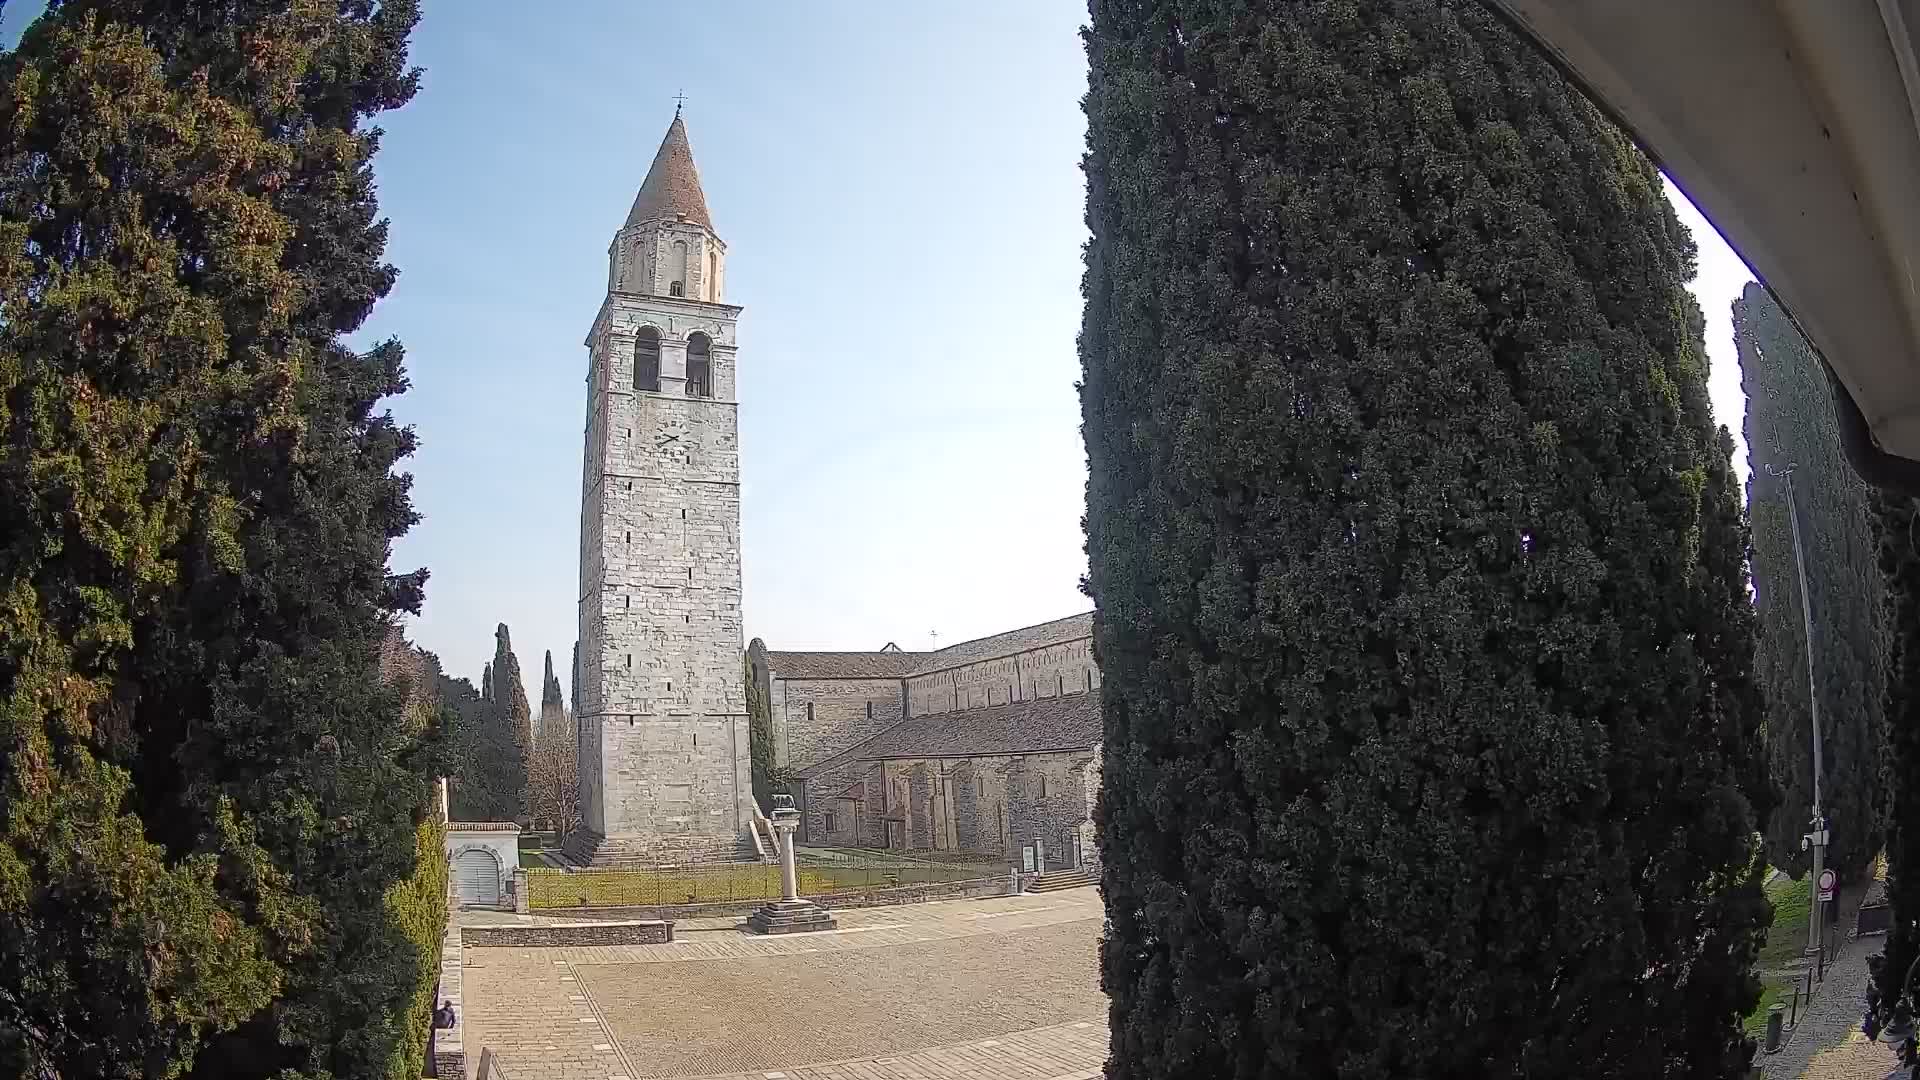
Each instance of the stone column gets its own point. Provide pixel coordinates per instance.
(789, 914)
(785, 821)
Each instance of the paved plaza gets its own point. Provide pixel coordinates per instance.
(998, 989)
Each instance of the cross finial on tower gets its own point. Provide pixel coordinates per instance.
(679, 100)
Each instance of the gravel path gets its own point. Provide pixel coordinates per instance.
(1827, 1044)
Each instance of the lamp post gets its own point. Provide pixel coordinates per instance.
(1815, 841)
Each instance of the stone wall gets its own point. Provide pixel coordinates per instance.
(1048, 805)
(813, 719)
(992, 882)
(856, 822)
(989, 805)
(1049, 671)
(644, 259)
(571, 934)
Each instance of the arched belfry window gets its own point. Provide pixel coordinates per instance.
(699, 366)
(646, 359)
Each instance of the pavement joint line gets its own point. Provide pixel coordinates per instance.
(975, 916)
(619, 1049)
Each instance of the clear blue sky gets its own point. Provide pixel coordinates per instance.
(899, 187)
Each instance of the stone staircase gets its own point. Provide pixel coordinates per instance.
(765, 848)
(1056, 880)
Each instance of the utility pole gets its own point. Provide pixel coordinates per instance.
(1815, 841)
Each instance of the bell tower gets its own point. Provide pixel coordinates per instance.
(663, 714)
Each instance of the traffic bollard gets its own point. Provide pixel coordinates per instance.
(1776, 1019)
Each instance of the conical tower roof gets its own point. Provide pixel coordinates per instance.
(672, 187)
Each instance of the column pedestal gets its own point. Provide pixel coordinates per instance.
(790, 917)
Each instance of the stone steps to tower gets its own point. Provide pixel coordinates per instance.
(1056, 880)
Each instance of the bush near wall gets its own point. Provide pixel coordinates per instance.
(418, 906)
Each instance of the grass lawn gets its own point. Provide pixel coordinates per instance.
(1771, 990)
(551, 889)
(1792, 907)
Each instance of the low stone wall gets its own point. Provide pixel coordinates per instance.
(879, 896)
(563, 935)
(449, 1044)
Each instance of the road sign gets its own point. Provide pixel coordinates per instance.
(1826, 885)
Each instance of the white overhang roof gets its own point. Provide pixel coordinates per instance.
(1794, 125)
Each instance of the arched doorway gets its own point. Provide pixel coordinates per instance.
(476, 875)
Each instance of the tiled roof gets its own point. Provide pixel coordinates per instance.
(672, 187)
(840, 665)
(1070, 628)
(893, 664)
(1071, 722)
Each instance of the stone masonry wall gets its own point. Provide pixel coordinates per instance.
(642, 260)
(992, 805)
(856, 824)
(815, 719)
(569, 935)
(1066, 667)
(1047, 804)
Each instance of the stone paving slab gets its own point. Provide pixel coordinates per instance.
(766, 1013)
(874, 928)
(946, 989)
(1074, 1051)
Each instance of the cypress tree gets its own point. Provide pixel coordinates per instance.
(489, 763)
(512, 718)
(1790, 421)
(1431, 735)
(205, 799)
(553, 710)
(1897, 528)
(760, 755)
(476, 776)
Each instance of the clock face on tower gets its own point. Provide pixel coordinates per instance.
(670, 441)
